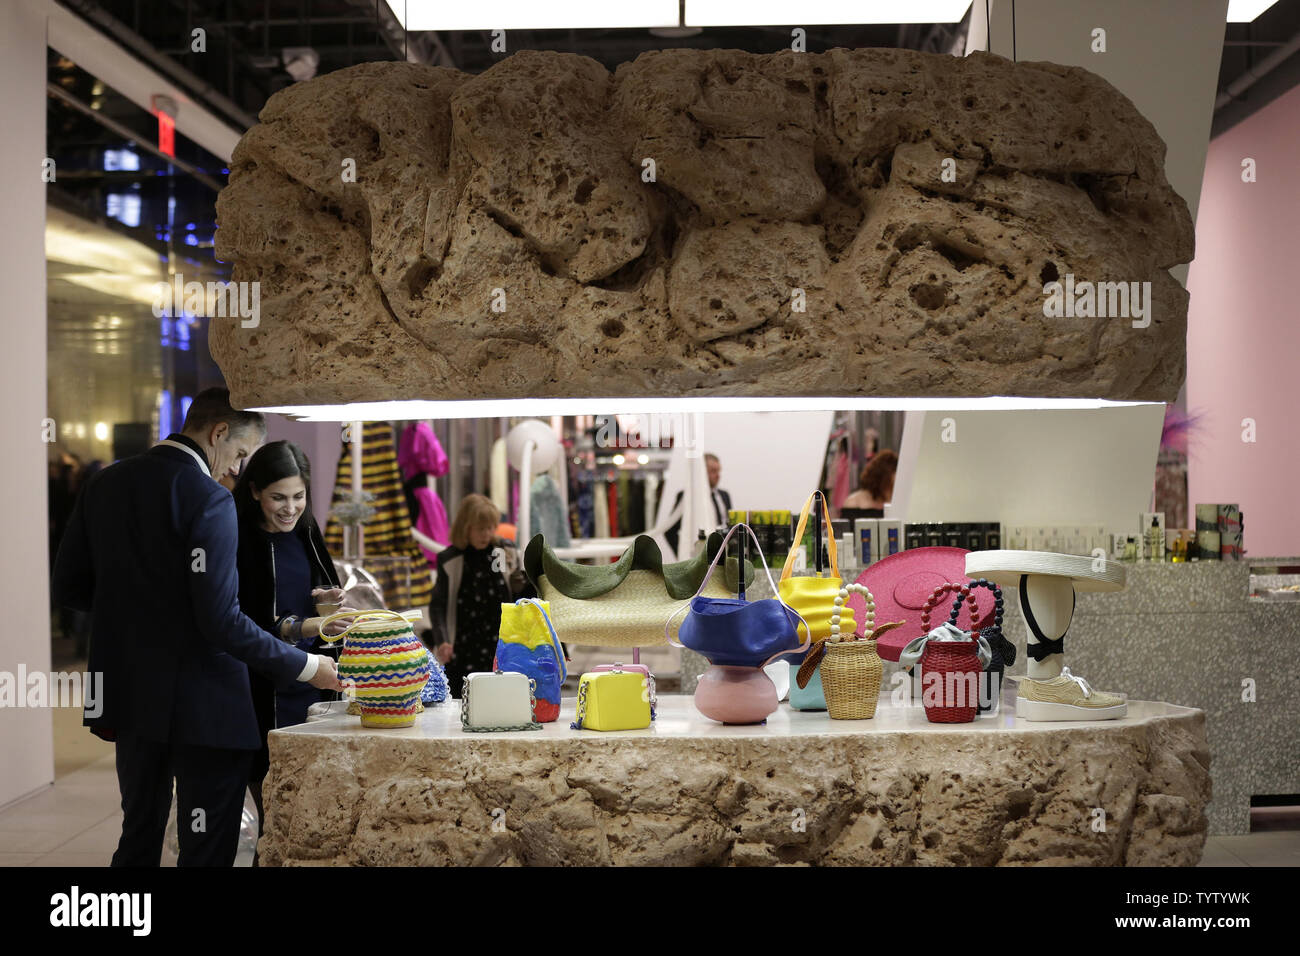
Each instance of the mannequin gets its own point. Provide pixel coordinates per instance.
(1051, 602)
(1047, 583)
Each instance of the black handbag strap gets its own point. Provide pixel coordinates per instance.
(997, 640)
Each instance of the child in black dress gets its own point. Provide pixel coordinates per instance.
(477, 573)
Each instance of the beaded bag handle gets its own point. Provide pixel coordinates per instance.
(964, 592)
(997, 602)
(1008, 649)
(814, 657)
(869, 618)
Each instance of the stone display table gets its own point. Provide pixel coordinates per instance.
(895, 790)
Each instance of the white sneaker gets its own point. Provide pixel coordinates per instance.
(1066, 697)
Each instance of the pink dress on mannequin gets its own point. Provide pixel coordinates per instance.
(420, 453)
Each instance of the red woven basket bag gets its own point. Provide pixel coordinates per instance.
(957, 666)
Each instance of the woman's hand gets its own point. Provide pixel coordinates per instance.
(443, 653)
(332, 629)
(327, 596)
(311, 627)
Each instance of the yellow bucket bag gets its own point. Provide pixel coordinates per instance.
(816, 598)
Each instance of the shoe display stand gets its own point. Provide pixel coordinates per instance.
(893, 790)
(1189, 634)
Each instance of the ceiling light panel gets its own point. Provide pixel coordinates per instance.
(409, 409)
(416, 15)
(1244, 11)
(730, 13)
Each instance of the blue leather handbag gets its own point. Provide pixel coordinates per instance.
(734, 632)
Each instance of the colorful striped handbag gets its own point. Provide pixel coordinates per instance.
(385, 664)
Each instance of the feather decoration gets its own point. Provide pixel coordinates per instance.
(1177, 428)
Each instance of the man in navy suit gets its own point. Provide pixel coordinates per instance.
(150, 552)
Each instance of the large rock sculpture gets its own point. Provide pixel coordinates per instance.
(858, 222)
(802, 789)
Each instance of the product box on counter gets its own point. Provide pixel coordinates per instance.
(1218, 533)
(970, 535)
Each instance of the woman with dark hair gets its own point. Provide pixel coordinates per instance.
(876, 483)
(284, 572)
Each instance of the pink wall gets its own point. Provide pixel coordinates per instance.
(1243, 335)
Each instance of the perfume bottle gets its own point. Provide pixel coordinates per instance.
(1130, 549)
(1155, 541)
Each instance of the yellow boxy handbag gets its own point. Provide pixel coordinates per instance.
(815, 597)
(614, 700)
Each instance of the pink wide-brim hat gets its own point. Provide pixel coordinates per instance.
(900, 585)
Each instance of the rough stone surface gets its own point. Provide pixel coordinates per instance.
(1022, 795)
(819, 172)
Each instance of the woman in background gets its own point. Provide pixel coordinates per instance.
(284, 572)
(876, 483)
(477, 573)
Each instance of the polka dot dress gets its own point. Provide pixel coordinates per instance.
(478, 616)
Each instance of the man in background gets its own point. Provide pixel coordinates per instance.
(719, 499)
(150, 552)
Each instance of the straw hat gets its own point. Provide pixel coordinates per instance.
(1006, 567)
(902, 582)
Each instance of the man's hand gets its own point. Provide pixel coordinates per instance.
(443, 653)
(327, 675)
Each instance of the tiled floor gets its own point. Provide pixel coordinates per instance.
(74, 823)
(77, 821)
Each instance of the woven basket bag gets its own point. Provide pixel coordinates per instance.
(850, 668)
(955, 664)
(1003, 652)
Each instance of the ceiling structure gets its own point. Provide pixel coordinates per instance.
(257, 47)
(111, 177)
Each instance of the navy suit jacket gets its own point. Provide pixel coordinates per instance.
(150, 552)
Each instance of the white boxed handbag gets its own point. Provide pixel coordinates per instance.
(497, 700)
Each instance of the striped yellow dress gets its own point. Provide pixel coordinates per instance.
(391, 554)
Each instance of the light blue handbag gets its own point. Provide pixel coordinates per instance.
(807, 698)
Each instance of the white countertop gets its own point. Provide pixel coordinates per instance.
(678, 718)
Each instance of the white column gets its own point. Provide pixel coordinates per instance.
(26, 734)
(1162, 54)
